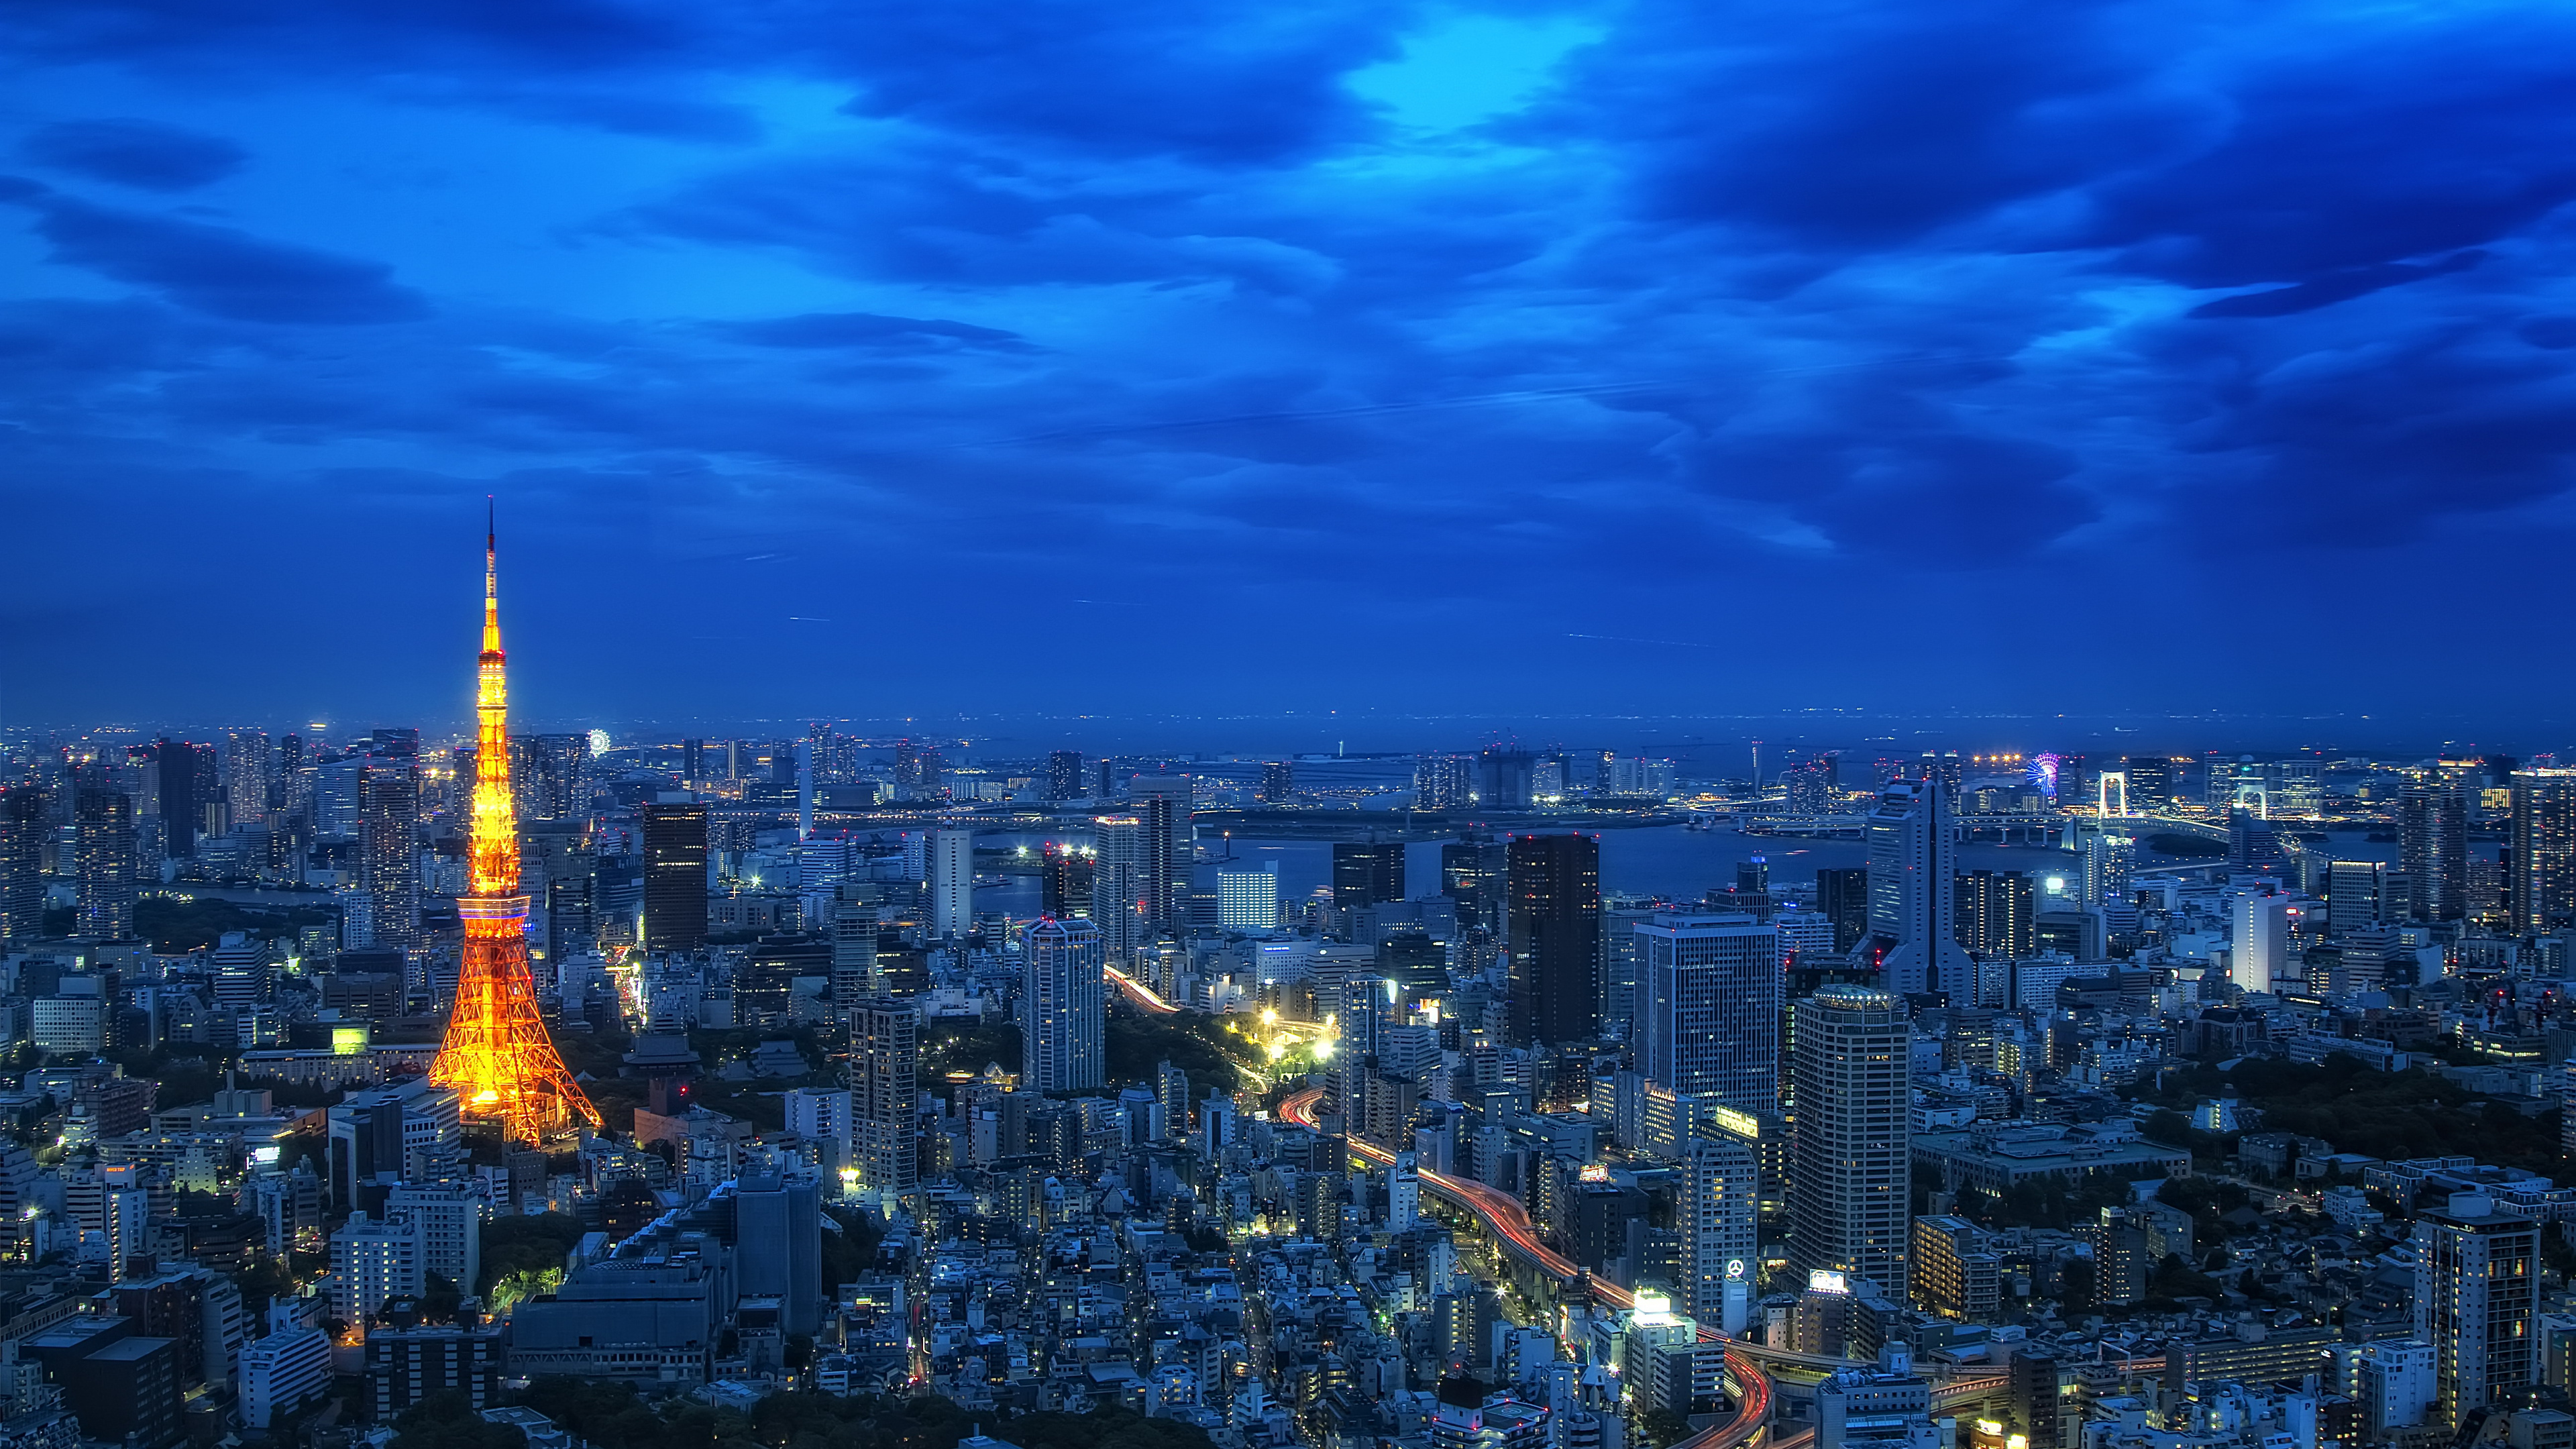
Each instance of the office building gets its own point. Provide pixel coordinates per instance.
(2541, 845)
(1367, 874)
(1554, 934)
(1476, 874)
(1064, 775)
(1278, 782)
(23, 827)
(675, 875)
(885, 1086)
(1162, 804)
(854, 946)
(1060, 1007)
(559, 874)
(187, 783)
(1064, 878)
(550, 775)
(1708, 1016)
(1119, 888)
(1716, 1212)
(389, 837)
(1505, 777)
(1247, 900)
(449, 1217)
(1850, 1157)
(2151, 783)
(778, 1245)
(2259, 941)
(2433, 849)
(2352, 896)
(106, 846)
(1997, 913)
(407, 1365)
(246, 766)
(2476, 1299)
(1913, 905)
(1955, 1270)
(952, 883)
(1842, 897)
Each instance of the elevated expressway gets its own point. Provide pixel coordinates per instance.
(1511, 1227)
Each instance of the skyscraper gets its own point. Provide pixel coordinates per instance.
(388, 832)
(182, 813)
(1842, 895)
(1367, 874)
(1064, 775)
(1278, 782)
(1850, 1174)
(497, 1057)
(1118, 883)
(2477, 1281)
(2433, 848)
(1913, 854)
(1555, 938)
(675, 875)
(1716, 1210)
(854, 947)
(885, 1081)
(105, 821)
(952, 883)
(1060, 1006)
(1247, 900)
(1162, 802)
(246, 771)
(2151, 783)
(1995, 913)
(1064, 879)
(22, 842)
(552, 774)
(1709, 1015)
(2541, 888)
(2258, 948)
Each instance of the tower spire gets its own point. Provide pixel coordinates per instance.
(497, 1056)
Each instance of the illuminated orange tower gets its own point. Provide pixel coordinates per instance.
(497, 1055)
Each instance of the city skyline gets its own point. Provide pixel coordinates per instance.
(822, 354)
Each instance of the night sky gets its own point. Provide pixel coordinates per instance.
(1143, 357)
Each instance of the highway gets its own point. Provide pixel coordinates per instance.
(1138, 992)
(1510, 1224)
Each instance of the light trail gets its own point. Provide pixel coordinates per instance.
(1138, 992)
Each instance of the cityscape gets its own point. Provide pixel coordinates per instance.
(1496, 724)
(405, 1087)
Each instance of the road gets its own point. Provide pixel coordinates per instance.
(1509, 1222)
(1138, 992)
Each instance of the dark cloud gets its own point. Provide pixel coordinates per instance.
(218, 270)
(2333, 287)
(144, 154)
(863, 330)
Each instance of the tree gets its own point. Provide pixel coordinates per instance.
(1661, 1428)
(2076, 1286)
(448, 1421)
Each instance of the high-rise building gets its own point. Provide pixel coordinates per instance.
(1064, 775)
(1716, 1210)
(2433, 846)
(1476, 874)
(182, 812)
(952, 883)
(2352, 895)
(1913, 904)
(1842, 896)
(1367, 874)
(2151, 783)
(885, 1082)
(1444, 782)
(105, 822)
(1505, 775)
(2477, 1281)
(2541, 886)
(2258, 948)
(246, 769)
(1118, 883)
(1247, 900)
(23, 827)
(1064, 879)
(1060, 1006)
(1278, 782)
(854, 947)
(1708, 1018)
(389, 839)
(1162, 802)
(559, 874)
(1850, 1173)
(1554, 886)
(675, 875)
(1996, 913)
(552, 775)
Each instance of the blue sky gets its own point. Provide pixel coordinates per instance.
(1528, 359)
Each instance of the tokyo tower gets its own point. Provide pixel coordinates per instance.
(497, 1056)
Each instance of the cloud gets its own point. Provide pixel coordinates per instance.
(864, 330)
(145, 154)
(217, 270)
(2333, 287)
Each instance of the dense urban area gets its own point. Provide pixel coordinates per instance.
(842, 1090)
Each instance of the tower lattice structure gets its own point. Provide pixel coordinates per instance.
(497, 1055)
